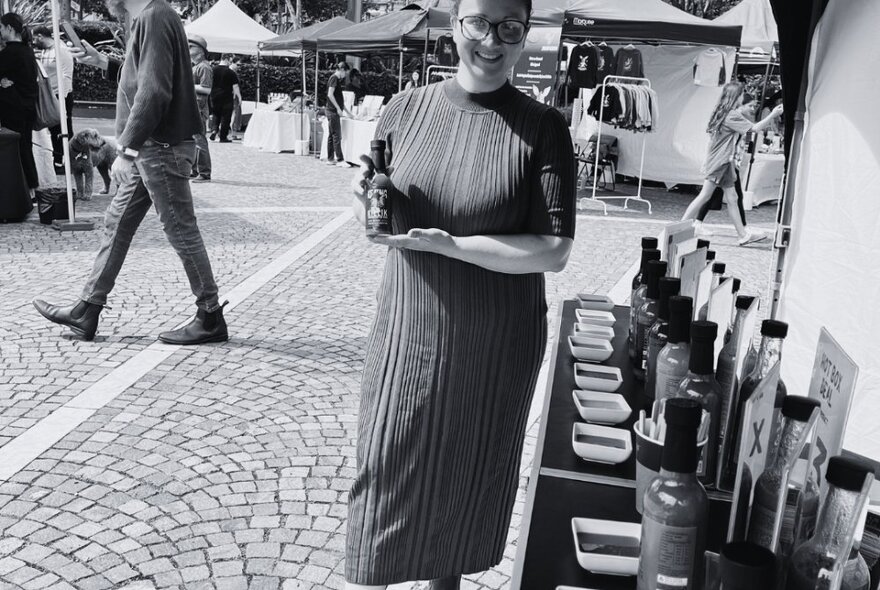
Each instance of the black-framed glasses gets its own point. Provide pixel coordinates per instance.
(476, 28)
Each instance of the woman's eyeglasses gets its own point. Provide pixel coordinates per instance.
(476, 28)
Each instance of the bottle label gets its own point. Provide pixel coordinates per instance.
(668, 380)
(642, 345)
(378, 211)
(761, 521)
(669, 555)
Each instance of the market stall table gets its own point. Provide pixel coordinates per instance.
(764, 179)
(15, 200)
(276, 131)
(356, 138)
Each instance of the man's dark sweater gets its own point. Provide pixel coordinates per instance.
(156, 97)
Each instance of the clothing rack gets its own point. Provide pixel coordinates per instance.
(626, 198)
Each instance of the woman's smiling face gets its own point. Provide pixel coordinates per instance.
(487, 62)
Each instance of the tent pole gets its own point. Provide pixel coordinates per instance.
(425, 56)
(258, 77)
(317, 60)
(302, 112)
(758, 116)
(400, 71)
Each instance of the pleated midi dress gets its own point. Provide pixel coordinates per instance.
(454, 353)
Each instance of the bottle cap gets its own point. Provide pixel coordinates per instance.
(681, 310)
(736, 285)
(681, 304)
(704, 331)
(702, 244)
(655, 270)
(710, 255)
(378, 145)
(683, 413)
(669, 286)
(774, 329)
(749, 564)
(718, 268)
(847, 473)
(798, 407)
(744, 301)
(649, 243)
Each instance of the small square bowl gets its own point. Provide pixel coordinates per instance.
(595, 302)
(599, 407)
(613, 545)
(594, 331)
(594, 350)
(598, 318)
(597, 377)
(601, 444)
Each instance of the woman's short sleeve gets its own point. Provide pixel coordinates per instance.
(553, 182)
(388, 123)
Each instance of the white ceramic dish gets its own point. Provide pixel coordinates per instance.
(594, 331)
(599, 407)
(594, 350)
(592, 316)
(604, 541)
(597, 377)
(596, 302)
(601, 444)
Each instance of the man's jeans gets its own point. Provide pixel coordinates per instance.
(161, 178)
(203, 154)
(334, 139)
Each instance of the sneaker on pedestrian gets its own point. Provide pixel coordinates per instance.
(330, 162)
(202, 178)
(343, 164)
(750, 238)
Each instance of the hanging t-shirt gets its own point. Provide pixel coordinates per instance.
(582, 66)
(709, 68)
(629, 63)
(611, 109)
(605, 64)
(446, 53)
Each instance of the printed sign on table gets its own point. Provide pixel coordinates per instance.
(535, 72)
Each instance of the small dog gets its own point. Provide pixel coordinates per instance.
(89, 150)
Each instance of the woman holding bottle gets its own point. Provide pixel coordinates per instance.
(484, 205)
(729, 122)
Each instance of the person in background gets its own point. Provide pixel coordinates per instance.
(356, 83)
(413, 81)
(484, 205)
(19, 90)
(236, 109)
(156, 119)
(44, 41)
(203, 77)
(727, 126)
(334, 107)
(225, 93)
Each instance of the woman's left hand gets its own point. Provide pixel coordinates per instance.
(424, 240)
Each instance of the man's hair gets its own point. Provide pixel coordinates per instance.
(456, 4)
(42, 30)
(343, 66)
(227, 57)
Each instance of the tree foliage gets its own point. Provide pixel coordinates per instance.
(704, 8)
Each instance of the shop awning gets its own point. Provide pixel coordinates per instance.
(227, 29)
(756, 19)
(391, 32)
(306, 38)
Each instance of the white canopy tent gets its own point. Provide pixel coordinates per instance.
(227, 29)
(830, 276)
(757, 22)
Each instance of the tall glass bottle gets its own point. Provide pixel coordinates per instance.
(718, 270)
(378, 215)
(648, 243)
(773, 332)
(746, 566)
(637, 299)
(647, 315)
(676, 512)
(796, 412)
(729, 333)
(846, 477)
(673, 360)
(710, 256)
(658, 335)
(700, 386)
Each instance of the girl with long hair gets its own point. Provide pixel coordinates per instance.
(730, 120)
(18, 89)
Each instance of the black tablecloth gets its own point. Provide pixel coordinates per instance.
(15, 200)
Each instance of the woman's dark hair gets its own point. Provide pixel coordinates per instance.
(528, 5)
(11, 19)
(41, 30)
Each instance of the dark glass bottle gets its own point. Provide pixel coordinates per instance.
(658, 334)
(796, 412)
(647, 315)
(729, 333)
(648, 243)
(378, 216)
(718, 270)
(672, 362)
(676, 511)
(773, 333)
(746, 566)
(710, 256)
(845, 476)
(700, 386)
(703, 244)
(637, 299)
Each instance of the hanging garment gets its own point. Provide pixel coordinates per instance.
(710, 69)
(605, 66)
(629, 63)
(445, 53)
(633, 107)
(582, 66)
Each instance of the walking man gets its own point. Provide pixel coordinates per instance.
(44, 42)
(203, 77)
(334, 107)
(225, 92)
(156, 119)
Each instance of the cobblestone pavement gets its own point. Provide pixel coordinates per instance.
(225, 466)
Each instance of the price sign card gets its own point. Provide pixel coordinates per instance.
(833, 384)
(674, 233)
(704, 287)
(677, 251)
(720, 311)
(690, 267)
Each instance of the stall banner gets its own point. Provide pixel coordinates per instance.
(833, 383)
(535, 72)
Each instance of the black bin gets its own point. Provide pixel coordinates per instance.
(52, 203)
